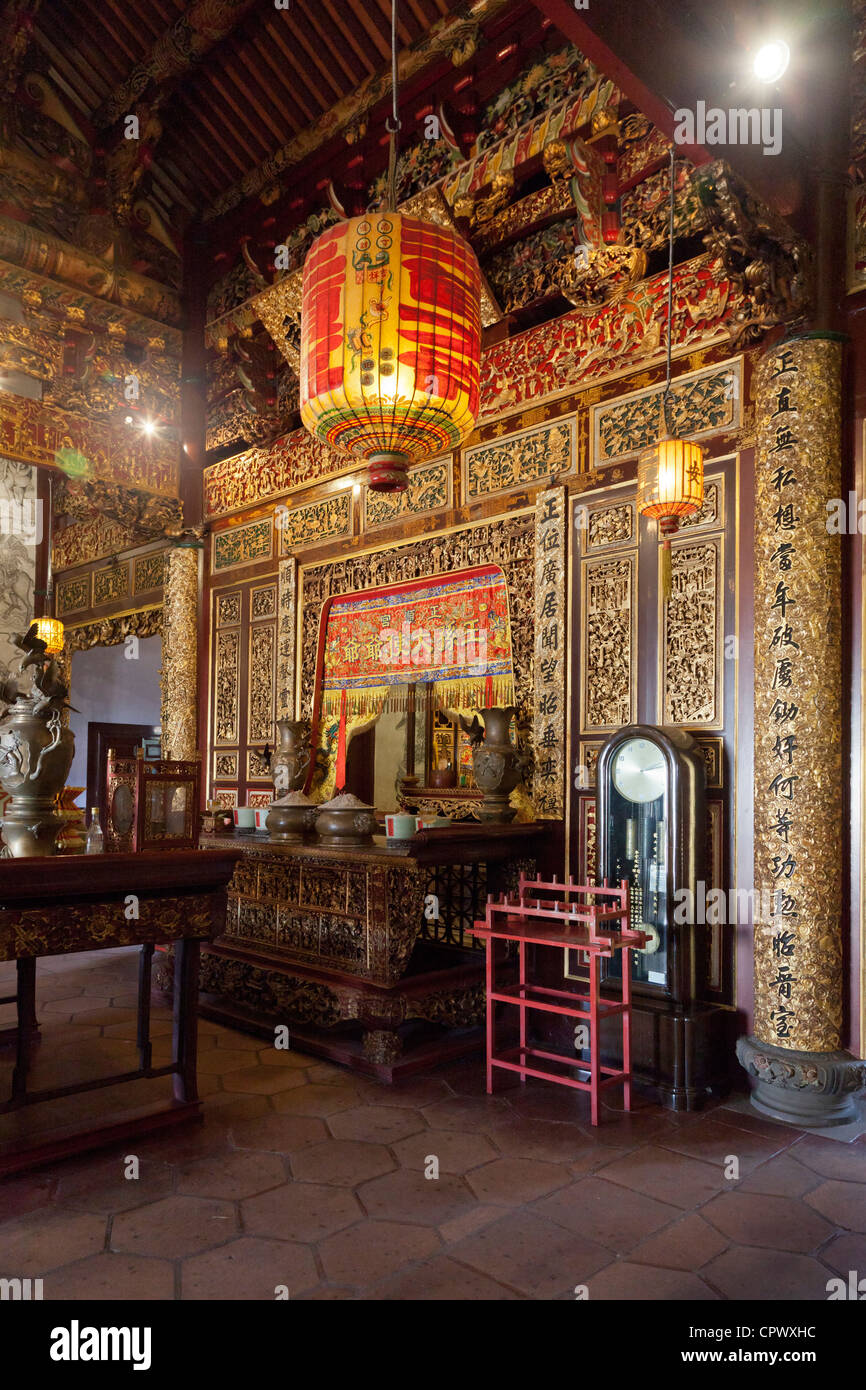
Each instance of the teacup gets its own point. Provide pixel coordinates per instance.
(400, 826)
(244, 817)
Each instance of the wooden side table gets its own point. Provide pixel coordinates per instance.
(581, 917)
(60, 906)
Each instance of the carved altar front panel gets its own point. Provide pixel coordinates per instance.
(608, 665)
(691, 641)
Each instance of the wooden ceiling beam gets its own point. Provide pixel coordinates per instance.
(82, 88)
(121, 23)
(211, 123)
(383, 43)
(345, 34)
(283, 99)
(197, 163)
(249, 93)
(405, 36)
(313, 51)
(309, 114)
(337, 47)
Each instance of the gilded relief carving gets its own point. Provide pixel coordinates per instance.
(260, 727)
(428, 490)
(110, 584)
(109, 632)
(263, 603)
(149, 572)
(607, 697)
(226, 677)
(712, 511)
(225, 767)
(257, 769)
(315, 521)
(709, 402)
(228, 610)
(241, 545)
(524, 459)
(179, 678)
(607, 525)
(691, 674)
(72, 595)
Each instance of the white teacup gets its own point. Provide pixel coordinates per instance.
(244, 817)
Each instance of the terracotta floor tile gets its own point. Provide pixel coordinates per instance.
(46, 1239)
(252, 1267)
(407, 1195)
(101, 1184)
(670, 1177)
(846, 1252)
(511, 1182)
(471, 1221)
(371, 1251)
(716, 1144)
(235, 1041)
(547, 1140)
(282, 1057)
(466, 1112)
(159, 1028)
(345, 1162)
(414, 1094)
(223, 1059)
(540, 1102)
(442, 1279)
(686, 1244)
(230, 1108)
(262, 1080)
(381, 1124)
(302, 1211)
(831, 1159)
(28, 1193)
(761, 1276)
(317, 1100)
(783, 1176)
(232, 1176)
(535, 1256)
(611, 1216)
(328, 1293)
(756, 1123)
(842, 1203)
(65, 1007)
(456, 1150)
(625, 1281)
(628, 1131)
(779, 1223)
(285, 1134)
(174, 1227)
(108, 1278)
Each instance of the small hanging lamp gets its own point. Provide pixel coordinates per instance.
(670, 473)
(48, 629)
(390, 334)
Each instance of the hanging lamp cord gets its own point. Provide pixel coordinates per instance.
(392, 123)
(665, 398)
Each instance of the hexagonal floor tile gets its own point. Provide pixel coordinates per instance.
(456, 1150)
(832, 1159)
(317, 1100)
(757, 1276)
(371, 1251)
(44, 1240)
(282, 1057)
(687, 1244)
(102, 1185)
(407, 1195)
(843, 1203)
(626, 1282)
(378, 1124)
(249, 1268)
(108, 1277)
(344, 1162)
(302, 1211)
(443, 1279)
(613, 1217)
(231, 1177)
(779, 1223)
(222, 1060)
(283, 1134)
(174, 1227)
(524, 1251)
(510, 1182)
(262, 1080)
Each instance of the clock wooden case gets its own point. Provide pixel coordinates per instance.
(652, 826)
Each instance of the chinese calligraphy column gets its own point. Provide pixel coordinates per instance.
(180, 653)
(548, 783)
(794, 1054)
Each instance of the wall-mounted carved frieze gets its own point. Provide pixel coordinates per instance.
(691, 630)
(606, 525)
(110, 584)
(72, 595)
(700, 403)
(241, 545)
(143, 515)
(608, 641)
(110, 632)
(263, 603)
(228, 610)
(94, 538)
(179, 675)
(712, 510)
(519, 460)
(227, 663)
(260, 680)
(315, 522)
(225, 766)
(148, 572)
(429, 490)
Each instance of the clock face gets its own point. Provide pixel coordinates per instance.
(639, 770)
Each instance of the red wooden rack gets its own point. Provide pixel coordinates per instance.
(584, 918)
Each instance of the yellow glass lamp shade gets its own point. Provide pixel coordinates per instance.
(390, 342)
(50, 631)
(670, 481)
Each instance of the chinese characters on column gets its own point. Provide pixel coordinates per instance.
(550, 643)
(797, 804)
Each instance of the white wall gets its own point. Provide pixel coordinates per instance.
(107, 688)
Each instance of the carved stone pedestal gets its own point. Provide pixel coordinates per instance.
(813, 1090)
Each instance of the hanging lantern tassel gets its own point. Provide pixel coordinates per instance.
(668, 527)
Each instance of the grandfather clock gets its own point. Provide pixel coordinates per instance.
(652, 827)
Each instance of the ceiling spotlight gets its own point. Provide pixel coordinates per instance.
(148, 426)
(771, 61)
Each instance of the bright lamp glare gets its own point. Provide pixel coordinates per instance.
(148, 427)
(771, 60)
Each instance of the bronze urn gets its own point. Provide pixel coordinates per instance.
(497, 763)
(344, 820)
(35, 751)
(290, 763)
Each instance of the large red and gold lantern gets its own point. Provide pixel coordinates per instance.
(390, 342)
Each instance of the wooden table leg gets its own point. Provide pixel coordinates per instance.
(145, 1046)
(186, 965)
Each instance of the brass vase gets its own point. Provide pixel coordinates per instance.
(35, 757)
(497, 763)
(290, 763)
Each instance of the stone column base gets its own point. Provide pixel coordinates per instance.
(812, 1090)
